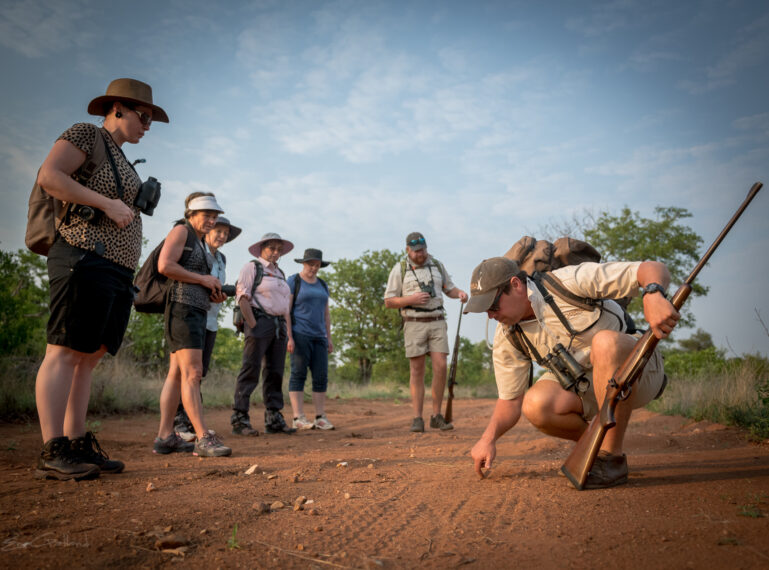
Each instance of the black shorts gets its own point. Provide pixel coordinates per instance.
(91, 299)
(185, 326)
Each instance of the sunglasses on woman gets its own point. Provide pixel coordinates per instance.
(145, 119)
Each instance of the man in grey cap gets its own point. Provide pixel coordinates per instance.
(551, 328)
(415, 287)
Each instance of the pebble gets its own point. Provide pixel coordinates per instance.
(260, 507)
(277, 505)
(251, 470)
(151, 487)
(347, 495)
(342, 464)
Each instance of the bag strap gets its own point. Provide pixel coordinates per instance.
(118, 180)
(258, 275)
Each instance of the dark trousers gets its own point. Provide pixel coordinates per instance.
(261, 342)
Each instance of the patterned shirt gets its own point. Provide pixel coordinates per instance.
(192, 293)
(122, 246)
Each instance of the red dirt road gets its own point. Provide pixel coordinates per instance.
(381, 497)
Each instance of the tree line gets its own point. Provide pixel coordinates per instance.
(367, 336)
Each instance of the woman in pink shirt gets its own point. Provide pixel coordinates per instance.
(264, 298)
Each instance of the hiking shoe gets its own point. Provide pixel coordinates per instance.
(302, 423)
(418, 424)
(607, 471)
(172, 444)
(241, 424)
(274, 422)
(321, 422)
(183, 426)
(437, 422)
(211, 446)
(88, 450)
(57, 461)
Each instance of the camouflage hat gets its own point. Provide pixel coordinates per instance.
(487, 278)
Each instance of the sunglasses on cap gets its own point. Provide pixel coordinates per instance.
(418, 241)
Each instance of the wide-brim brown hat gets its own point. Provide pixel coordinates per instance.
(234, 230)
(127, 90)
(256, 249)
(312, 254)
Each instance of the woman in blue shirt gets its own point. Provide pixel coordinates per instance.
(311, 331)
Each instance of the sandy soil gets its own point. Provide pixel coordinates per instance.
(381, 497)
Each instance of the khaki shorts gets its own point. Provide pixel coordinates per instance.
(644, 390)
(421, 337)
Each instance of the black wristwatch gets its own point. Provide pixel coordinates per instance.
(655, 288)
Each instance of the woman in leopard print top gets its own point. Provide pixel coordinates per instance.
(90, 270)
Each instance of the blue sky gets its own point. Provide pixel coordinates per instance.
(346, 125)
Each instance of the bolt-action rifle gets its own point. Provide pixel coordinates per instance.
(580, 461)
(453, 372)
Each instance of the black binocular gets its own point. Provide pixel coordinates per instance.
(570, 373)
(147, 199)
(427, 288)
(228, 290)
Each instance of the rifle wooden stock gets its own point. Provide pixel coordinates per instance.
(577, 466)
(449, 415)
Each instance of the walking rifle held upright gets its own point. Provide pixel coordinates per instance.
(448, 416)
(577, 466)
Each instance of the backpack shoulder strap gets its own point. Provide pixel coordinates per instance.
(325, 285)
(93, 161)
(441, 270)
(520, 341)
(552, 283)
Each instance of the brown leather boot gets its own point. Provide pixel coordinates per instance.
(57, 461)
(607, 471)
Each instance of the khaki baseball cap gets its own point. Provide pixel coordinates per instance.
(487, 278)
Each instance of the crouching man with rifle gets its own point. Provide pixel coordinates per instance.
(580, 346)
(589, 357)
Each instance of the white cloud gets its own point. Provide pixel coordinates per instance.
(37, 28)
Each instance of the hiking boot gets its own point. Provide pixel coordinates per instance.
(418, 425)
(172, 444)
(274, 422)
(302, 423)
(57, 461)
(437, 422)
(211, 446)
(607, 471)
(88, 450)
(241, 424)
(321, 422)
(183, 426)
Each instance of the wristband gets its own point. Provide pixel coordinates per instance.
(654, 288)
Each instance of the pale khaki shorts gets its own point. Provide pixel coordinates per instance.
(644, 390)
(421, 337)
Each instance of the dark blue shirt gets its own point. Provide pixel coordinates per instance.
(309, 307)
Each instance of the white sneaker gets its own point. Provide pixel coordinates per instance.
(323, 423)
(303, 423)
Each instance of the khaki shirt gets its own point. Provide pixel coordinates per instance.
(596, 280)
(402, 286)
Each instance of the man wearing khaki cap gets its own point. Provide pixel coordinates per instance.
(535, 321)
(415, 287)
